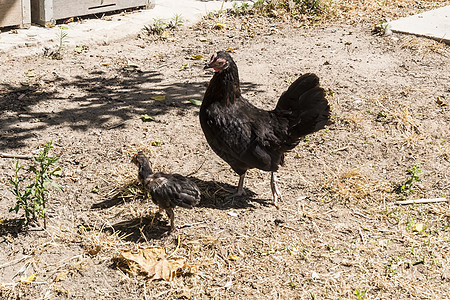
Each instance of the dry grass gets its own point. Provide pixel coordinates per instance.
(445, 151)
(349, 11)
(352, 187)
(425, 46)
(375, 11)
(347, 239)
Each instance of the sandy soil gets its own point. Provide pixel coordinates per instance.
(338, 234)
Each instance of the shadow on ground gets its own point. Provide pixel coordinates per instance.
(153, 227)
(90, 101)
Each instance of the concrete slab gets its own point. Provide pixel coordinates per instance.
(94, 31)
(433, 24)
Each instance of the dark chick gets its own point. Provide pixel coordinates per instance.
(166, 190)
(247, 137)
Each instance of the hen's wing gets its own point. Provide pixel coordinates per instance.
(243, 135)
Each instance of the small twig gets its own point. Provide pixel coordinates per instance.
(361, 214)
(433, 200)
(115, 125)
(317, 228)
(162, 293)
(176, 249)
(287, 227)
(340, 149)
(23, 269)
(192, 224)
(141, 229)
(363, 239)
(15, 261)
(198, 169)
(18, 156)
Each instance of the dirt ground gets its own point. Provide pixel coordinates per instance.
(338, 234)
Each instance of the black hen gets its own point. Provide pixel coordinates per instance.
(166, 190)
(247, 137)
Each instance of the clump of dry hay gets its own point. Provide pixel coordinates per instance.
(424, 46)
(351, 187)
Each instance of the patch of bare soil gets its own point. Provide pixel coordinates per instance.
(338, 233)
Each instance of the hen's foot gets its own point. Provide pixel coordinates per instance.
(276, 194)
(240, 189)
(237, 194)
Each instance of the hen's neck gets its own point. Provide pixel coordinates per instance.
(224, 86)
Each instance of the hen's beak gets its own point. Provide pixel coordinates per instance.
(207, 66)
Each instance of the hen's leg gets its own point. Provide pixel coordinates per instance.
(171, 216)
(240, 189)
(275, 190)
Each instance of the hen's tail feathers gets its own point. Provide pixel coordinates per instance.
(305, 106)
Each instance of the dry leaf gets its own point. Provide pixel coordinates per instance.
(94, 250)
(419, 227)
(156, 143)
(152, 262)
(28, 279)
(233, 257)
(30, 73)
(219, 26)
(147, 118)
(195, 102)
(441, 102)
(165, 34)
(158, 97)
(61, 276)
(191, 269)
(131, 67)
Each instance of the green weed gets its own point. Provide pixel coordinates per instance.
(33, 199)
(240, 9)
(176, 22)
(360, 294)
(159, 26)
(56, 51)
(410, 184)
(384, 28)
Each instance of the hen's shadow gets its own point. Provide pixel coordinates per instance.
(214, 195)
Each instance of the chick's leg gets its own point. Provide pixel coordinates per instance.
(171, 216)
(275, 190)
